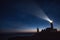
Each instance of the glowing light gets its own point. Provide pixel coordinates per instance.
(51, 21)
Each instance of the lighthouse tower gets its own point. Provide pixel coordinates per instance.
(51, 25)
(37, 29)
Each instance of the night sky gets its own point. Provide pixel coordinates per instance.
(16, 16)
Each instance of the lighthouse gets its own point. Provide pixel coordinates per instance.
(51, 25)
(37, 29)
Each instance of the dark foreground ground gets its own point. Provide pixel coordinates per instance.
(36, 36)
(39, 36)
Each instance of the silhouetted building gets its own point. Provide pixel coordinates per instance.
(51, 29)
(37, 29)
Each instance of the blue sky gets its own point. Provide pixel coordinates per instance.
(17, 15)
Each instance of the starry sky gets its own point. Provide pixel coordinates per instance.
(16, 15)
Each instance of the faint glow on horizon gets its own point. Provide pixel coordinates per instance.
(29, 30)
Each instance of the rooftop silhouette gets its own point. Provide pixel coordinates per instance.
(51, 29)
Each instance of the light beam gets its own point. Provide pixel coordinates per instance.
(40, 13)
